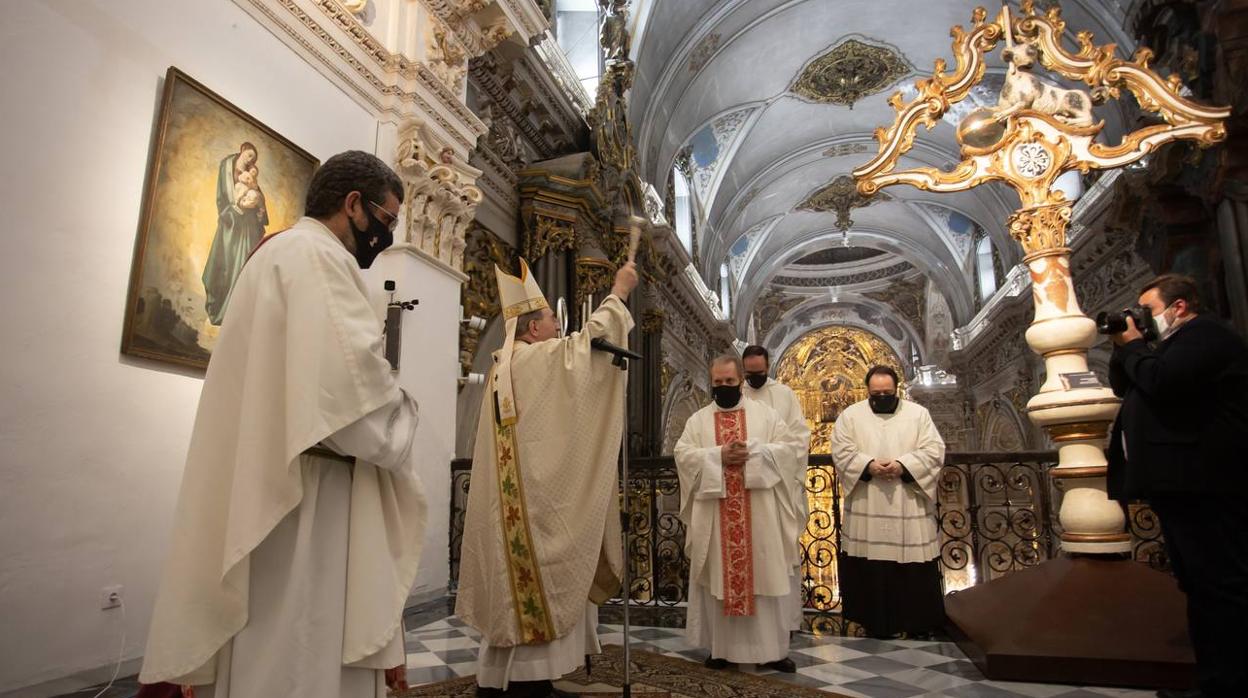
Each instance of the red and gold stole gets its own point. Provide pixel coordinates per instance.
(735, 544)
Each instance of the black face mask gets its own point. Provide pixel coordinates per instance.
(883, 404)
(371, 241)
(726, 396)
(756, 380)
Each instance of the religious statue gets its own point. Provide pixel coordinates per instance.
(614, 37)
(1025, 90)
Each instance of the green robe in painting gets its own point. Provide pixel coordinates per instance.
(238, 231)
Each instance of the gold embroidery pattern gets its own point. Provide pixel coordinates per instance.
(735, 541)
(518, 309)
(528, 596)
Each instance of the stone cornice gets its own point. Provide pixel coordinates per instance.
(386, 84)
(551, 94)
(822, 281)
(563, 75)
(484, 74)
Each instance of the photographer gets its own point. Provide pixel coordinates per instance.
(1177, 444)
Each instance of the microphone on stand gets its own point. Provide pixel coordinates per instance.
(620, 353)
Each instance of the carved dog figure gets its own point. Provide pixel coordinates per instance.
(1023, 90)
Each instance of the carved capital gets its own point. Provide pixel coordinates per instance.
(549, 235)
(440, 195)
(593, 275)
(652, 321)
(1040, 229)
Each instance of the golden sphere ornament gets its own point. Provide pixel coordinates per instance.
(981, 129)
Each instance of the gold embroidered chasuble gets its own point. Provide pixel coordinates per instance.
(542, 527)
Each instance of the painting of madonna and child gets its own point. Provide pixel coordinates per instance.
(218, 182)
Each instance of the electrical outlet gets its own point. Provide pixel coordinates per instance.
(110, 597)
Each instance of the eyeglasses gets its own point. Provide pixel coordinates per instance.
(393, 218)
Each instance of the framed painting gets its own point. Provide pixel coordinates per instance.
(218, 182)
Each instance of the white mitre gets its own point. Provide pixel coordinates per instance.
(517, 296)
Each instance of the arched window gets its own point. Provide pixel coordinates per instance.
(985, 270)
(684, 210)
(576, 31)
(725, 291)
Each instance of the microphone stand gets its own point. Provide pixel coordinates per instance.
(625, 529)
(620, 358)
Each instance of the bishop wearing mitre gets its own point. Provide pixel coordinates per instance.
(541, 544)
(737, 461)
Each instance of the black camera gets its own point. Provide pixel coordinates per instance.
(1115, 322)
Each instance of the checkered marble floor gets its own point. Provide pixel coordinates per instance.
(440, 648)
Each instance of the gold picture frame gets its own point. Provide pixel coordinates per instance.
(218, 181)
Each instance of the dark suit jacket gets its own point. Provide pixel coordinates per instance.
(1184, 413)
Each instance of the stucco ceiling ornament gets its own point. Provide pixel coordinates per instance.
(850, 71)
(1033, 134)
(355, 7)
(839, 196)
(844, 149)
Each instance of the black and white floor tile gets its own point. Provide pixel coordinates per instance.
(444, 648)
(440, 647)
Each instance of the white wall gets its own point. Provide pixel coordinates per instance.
(92, 443)
(428, 368)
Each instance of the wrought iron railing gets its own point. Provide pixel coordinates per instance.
(997, 513)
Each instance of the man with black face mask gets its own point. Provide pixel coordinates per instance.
(779, 397)
(888, 456)
(1176, 443)
(299, 523)
(737, 461)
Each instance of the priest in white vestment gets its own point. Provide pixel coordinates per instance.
(541, 544)
(300, 518)
(888, 456)
(737, 461)
(761, 387)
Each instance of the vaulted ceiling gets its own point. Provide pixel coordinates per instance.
(769, 104)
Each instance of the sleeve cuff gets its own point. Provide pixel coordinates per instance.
(905, 473)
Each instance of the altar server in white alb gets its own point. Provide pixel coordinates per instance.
(300, 518)
(779, 397)
(541, 544)
(888, 456)
(737, 461)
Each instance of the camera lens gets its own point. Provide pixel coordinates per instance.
(1111, 323)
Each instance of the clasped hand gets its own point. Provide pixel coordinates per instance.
(735, 453)
(886, 469)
